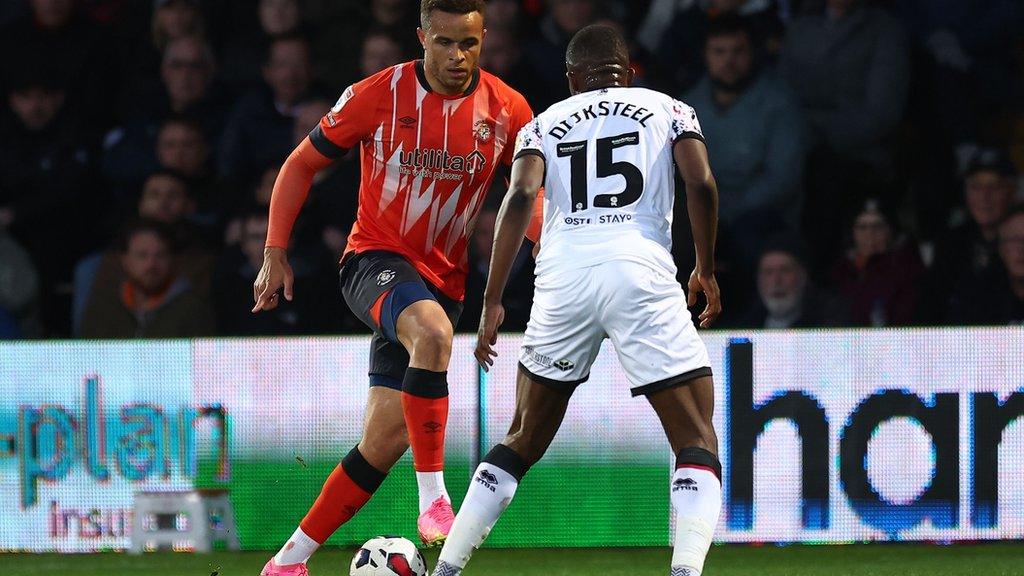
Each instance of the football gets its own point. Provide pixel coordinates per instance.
(388, 556)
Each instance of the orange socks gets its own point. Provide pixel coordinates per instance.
(425, 405)
(346, 490)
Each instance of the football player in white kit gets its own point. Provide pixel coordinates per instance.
(606, 158)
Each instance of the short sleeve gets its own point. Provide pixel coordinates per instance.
(530, 140)
(348, 122)
(521, 116)
(684, 121)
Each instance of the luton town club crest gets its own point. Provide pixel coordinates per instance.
(483, 131)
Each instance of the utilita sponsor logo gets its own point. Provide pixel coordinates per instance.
(143, 441)
(441, 160)
(939, 416)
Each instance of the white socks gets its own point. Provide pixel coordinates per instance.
(431, 488)
(697, 499)
(489, 494)
(296, 550)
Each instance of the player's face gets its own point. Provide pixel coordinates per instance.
(729, 59)
(451, 49)
(164, 199)
(988, 196)
(147, 263)
(871, 234)
(1011, 246)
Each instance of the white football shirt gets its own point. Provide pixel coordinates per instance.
(609, 186)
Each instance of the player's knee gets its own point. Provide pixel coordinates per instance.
(433, 340)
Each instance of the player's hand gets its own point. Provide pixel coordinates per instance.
(490, 320)
(275, 274)
(706, 283)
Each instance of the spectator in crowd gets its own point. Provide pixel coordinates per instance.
(518, 296)
(47, 195)
(964, 254)
(998, 299)
(345, 24)
(19, 291)
(381, 50)
(504, 15)
(259, 131)
(849, 66)
(879, 278)
(54, 34)
(754, 128)
(274, 18)
(504, 58)
(152, 301)
(545, 53)
(165, 198)
(786, 296)
(673, 31)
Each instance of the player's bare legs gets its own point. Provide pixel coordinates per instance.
(539, 413)
(425, 331)
(351, 484)
(685, 413)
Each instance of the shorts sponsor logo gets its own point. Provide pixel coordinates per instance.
(537, 357)
(385, 276)
(564, 365)
(407, 121)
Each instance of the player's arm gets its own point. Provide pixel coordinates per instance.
(513, 220)
(290, 192)
(691, 156)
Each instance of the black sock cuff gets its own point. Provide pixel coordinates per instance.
(506, 458)
(701, 458)
(361, 472)
(425, 383)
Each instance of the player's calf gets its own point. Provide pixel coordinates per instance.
(493, 486)
(697, 498)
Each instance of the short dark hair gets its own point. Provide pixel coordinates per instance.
(729, 25)
(449, 6)
(596, 43)
(144, 226)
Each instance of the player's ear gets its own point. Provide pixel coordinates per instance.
(630, 75)
(422, 36)
(571, 76)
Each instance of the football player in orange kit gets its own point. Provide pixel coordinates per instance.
(431, 133)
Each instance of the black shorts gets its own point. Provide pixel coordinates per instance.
(377, 285)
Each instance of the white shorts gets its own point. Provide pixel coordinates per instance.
(643, 311)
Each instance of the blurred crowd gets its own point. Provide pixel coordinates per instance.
(868, 154)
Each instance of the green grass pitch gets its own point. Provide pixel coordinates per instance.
(1002, 559)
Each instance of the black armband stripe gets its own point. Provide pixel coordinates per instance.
(323, 145)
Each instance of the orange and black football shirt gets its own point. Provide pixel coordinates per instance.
(427, 162)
